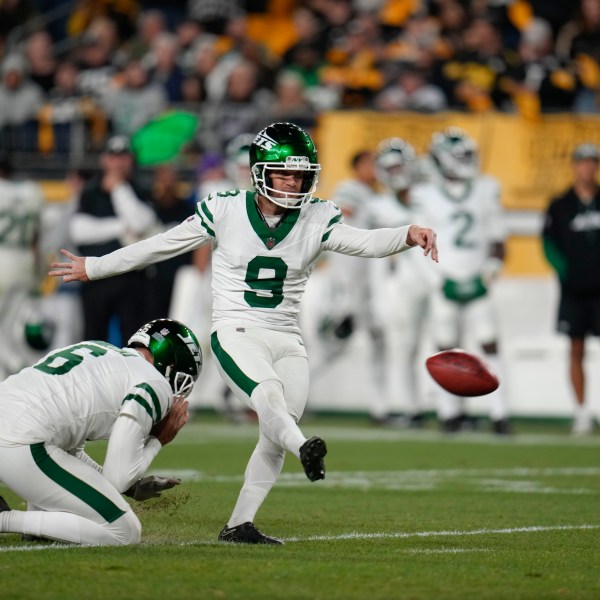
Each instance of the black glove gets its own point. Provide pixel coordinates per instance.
(345, 328)
(150, 486)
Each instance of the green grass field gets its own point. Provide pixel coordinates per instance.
(412, 515)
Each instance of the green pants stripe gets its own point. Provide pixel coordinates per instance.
(237, 375)
(92, 497)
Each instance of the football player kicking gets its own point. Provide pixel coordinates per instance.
(265, 244)
(134, 397)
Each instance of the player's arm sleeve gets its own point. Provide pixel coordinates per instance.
(186, 236)
(129, 454)
(372, 243)
(131, 448)
(137, 215)
(86, 229)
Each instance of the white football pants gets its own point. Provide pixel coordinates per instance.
(268, 371)
(69, 500)
(450, 321)
(400, 305)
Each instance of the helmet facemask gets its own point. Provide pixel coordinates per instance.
(181, 383)
(284, 147)
(263, 183)
(175, 350)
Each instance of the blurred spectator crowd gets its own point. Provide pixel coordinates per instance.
(72, 73)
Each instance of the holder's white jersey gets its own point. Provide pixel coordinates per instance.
(466, 224)
(258, 274)
(76, 394)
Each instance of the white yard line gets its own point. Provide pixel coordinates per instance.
(355, 535)
(200, 434)
(516, 480)
(426, 534)
(444, 550)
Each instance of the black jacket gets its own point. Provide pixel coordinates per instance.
(571, 238)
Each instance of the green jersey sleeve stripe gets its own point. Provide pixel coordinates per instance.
(204, 224)
(141, 402)
(334, 220)
(244, 382)
(85, 492)
(326, 236)
(207, 212)
(154, 397)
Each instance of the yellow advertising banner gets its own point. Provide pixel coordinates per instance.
(530, 158)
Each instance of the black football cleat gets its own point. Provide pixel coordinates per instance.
(3, 505)
(312, 453)
(501, 427)
(450, 425)
(246, 533)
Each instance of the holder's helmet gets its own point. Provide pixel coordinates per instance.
(175, 350)
(284, 146)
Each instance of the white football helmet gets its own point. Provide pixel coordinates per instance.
(454, 154)
(395, 164)
(237, 161)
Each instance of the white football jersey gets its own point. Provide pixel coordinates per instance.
(76, 394)
(258, 274)
(21, 204)
(466, 223)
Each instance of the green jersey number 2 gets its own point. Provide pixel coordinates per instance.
(265, 276)
(463, 237)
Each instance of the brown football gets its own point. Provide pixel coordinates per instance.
(462, 373)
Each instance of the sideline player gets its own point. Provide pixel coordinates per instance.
(134, 397)
(21, 205)
(265, 244)
(400, 289)
(345, 304)
(464, 208)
